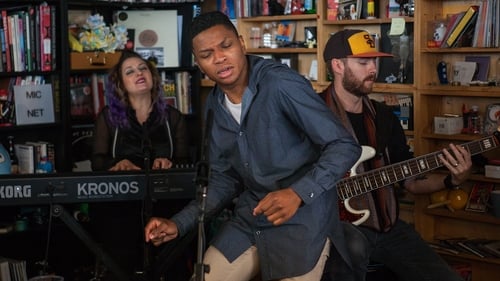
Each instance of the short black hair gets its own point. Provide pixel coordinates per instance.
(210, 19)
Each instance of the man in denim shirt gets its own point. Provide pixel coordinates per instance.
(277, 150)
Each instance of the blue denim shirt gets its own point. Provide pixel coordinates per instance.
(287, 137)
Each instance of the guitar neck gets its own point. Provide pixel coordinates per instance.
(387, 175)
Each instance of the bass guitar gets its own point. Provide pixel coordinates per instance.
(356, 185)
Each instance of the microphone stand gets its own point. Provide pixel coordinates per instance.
(202, 172)
(148, 200)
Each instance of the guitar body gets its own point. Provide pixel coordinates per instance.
(346, 212)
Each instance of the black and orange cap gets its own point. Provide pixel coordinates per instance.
(351, 43)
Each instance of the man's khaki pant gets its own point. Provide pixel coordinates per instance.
(246, 266)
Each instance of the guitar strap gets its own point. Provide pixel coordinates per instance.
(381, 202)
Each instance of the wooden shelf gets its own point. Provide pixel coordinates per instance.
(469, 257)
(460, 91)
(464, 215)
(459, 50)
(393, 88)
(282, 50)
(280, 18)
(364, 21)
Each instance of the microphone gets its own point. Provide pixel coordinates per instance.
(202, 165)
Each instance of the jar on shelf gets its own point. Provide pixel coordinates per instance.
(267, 36)
(474, 121)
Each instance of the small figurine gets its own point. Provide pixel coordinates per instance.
(353, 13)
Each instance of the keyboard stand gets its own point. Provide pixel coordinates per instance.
(60, 212)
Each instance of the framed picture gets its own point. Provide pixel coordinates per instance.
(349, 9)
(291, 60)
(479, 196)
(171, 101)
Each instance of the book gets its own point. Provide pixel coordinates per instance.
(98, 95)
(480, 24)
(450, 26)
(227, 8)
(476, 245)
(470, 249)
(493, 246)
(479, 196)
(483, 67)
(183, 91)
(469, 16)
(444, 248)
(26, 155)
(466, 37)
(81, 100)
(463, 72)
(4, 269)
(5, 21)
(332, 10)
(44, 156)
(2, 45)
(45, 39)
(286, 31)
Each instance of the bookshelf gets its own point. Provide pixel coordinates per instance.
(32, 57)
(430, 99)
(434, 99)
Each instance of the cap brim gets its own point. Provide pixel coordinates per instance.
(371, 55)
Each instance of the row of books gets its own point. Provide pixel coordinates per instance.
(151, 1)
(488, 25)
(35, 157)
(88, 93)
(402, 106)
(249, 8)
(478, 26)
(177, 90)
(27, 38)
(13, 270)
(483, 248)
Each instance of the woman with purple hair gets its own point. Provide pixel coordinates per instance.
(137, 125)
(135, 130)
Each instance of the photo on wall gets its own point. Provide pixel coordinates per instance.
(399, 68)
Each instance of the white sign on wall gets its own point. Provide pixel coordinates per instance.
(34, 104)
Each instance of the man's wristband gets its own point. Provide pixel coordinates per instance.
(448, 184)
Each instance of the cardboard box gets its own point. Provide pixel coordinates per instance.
(93, 60)
(448, 125)
(492, 171)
